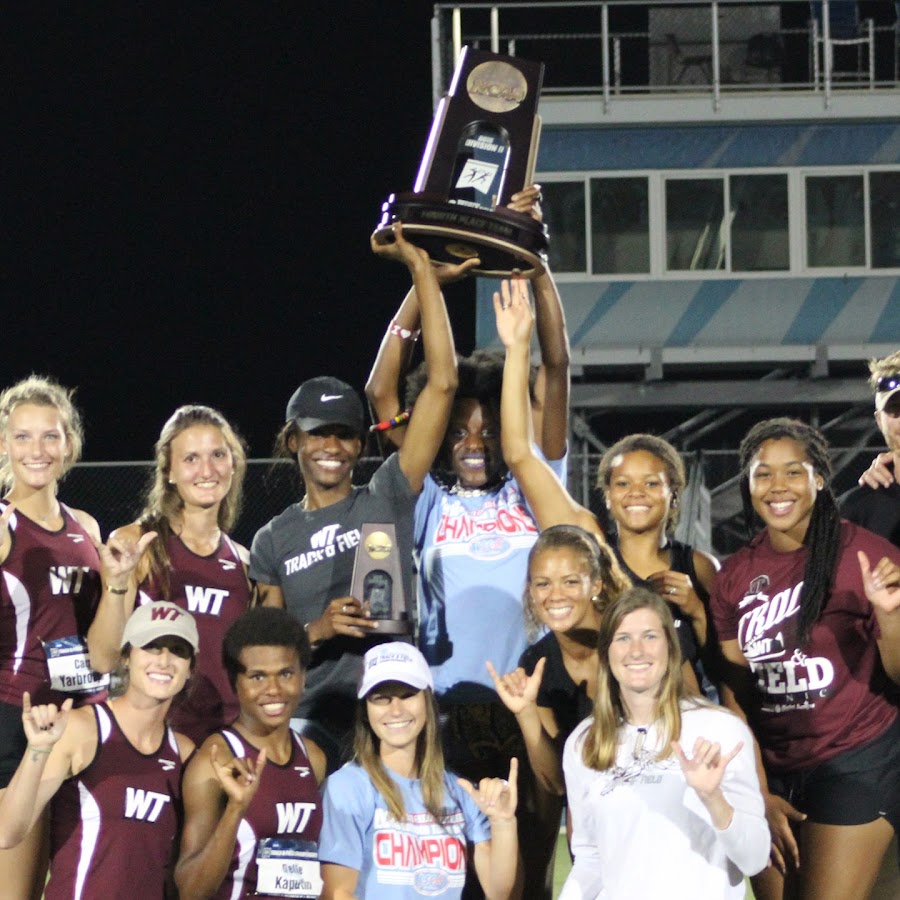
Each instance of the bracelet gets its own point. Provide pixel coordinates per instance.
(119, 591)
(389, 424)
(44, 751)
(405, 334)
(312, 644)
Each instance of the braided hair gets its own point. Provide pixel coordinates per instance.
(823, 538)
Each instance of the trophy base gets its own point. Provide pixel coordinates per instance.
(506, 242)
(394, 626)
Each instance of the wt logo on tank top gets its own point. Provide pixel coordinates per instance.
(293, 817)
(67, 579)
(144, 805)
(205, 599)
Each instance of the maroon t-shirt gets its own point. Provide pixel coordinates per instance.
(215, 590)
(813, 703)
(113, 825)
(49, 591)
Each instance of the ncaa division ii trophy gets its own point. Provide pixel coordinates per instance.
(481, 150)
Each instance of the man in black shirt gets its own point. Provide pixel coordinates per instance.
(875, 504)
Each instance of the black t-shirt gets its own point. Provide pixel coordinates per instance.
(877, 509)
(682, 560)
(569, 701)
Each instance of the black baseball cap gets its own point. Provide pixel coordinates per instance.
(326, 401)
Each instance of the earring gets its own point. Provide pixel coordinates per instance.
(674, 501)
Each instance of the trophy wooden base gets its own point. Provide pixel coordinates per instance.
(393, 626)
(506, 242)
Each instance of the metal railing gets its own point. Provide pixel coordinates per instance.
(113, 491)
(616, 47)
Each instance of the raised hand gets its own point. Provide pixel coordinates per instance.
(5, 539)
(512, 307)
(528, 201)
(401, 249)
(447, 273)
(44, 725)
(881, 583)
(706, 767)
(239, 777)
(496, 797)
(119, 557)
(518, 690)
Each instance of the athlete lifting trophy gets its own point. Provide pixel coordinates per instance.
(481, 150)
(378, 578)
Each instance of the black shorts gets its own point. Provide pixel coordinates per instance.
(12, 741)
(855, 787)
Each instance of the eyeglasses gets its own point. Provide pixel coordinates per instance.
(887, 383)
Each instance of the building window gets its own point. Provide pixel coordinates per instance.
(759, 223)
(564, 213)
(835, 221)
(620, 226)
(695, 224)
(884, 219)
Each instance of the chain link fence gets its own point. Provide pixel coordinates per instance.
(113, 492)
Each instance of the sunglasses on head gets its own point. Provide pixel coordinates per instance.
(887, 383)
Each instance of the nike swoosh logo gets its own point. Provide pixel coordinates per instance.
(326, 397)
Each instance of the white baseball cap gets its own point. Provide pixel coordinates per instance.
(395, 661)
(157, 619)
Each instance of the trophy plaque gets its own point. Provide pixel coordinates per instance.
(378, 578)
(481, 150)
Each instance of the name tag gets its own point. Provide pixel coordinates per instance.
(287, 867)
(70, 669)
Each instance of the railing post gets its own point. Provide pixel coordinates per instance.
(437, 55)
(457, 34)
(715, 56)
(604, 28)
(826, 47)
(495, 29)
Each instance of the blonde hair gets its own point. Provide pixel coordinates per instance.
(601, 739)
(598, 557)
(429, 761)
(888, 365)
(163, 503)
(40, 390)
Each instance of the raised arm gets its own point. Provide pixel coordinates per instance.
(519, 693)
(44, 767)
(217, 791)
(497, 861)
(725, 782)
(549, 500)
(384, 387)
(551, 408)
(881, 583)
(121, 560)
(425, 431)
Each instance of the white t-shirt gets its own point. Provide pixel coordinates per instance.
(640, 831)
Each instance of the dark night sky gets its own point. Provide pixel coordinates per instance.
(188, 197)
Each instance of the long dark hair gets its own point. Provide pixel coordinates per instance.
(823, 536)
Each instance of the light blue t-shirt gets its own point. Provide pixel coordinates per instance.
(417, 857)
(473, 560)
